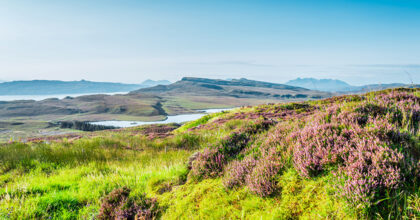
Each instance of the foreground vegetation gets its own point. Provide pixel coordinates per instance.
(344, 157)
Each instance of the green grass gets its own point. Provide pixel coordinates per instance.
(74, 188)
(306, 199)
(67, 179)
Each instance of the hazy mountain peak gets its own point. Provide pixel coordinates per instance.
(150, 82)
(320, 84)
(335, 85)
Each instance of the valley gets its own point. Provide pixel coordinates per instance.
(186, 96)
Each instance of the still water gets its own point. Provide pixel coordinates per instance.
(170, 119)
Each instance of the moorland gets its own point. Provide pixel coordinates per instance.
(344, 157)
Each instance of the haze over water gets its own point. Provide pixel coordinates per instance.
(42, 97)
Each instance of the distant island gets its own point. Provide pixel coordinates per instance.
(334, 85)
(51, 87)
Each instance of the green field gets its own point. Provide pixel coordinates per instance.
(252, 163)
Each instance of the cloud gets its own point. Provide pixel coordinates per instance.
(387, 65)
(234, 63)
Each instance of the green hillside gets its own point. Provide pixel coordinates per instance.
(347, 157)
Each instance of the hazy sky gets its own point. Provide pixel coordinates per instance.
(130, 41)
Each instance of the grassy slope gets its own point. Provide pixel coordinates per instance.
(67, 178)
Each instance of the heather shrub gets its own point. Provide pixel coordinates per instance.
(234, 143)
(237, 171)
(262, 180)
(208, 163)
(278, 138)
(364, 146)
(371, 109)
(237, 140)
(112, 202)
(370, 170)
(404, 108)
(119, 205)
(319, 146)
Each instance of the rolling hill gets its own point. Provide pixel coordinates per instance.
(238, 88)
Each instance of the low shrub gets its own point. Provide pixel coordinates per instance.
(119, 205)
(211, 161)
(237, 171)
(262, 180)
(370, 170)
(208, 163)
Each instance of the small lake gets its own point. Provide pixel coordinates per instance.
(170, 119)
(42, 97)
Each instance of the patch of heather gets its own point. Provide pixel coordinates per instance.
(112, 203)
(158, 131)
(237, 171)
(208, 163)
(118, 205)
(319, 146)
(370, 170)
(277, 138)
(366, 147)
(262, 180)
(57, 138)
(341, 99)
(274, 112)
(404, 109)
(367, 142)
(232, 144)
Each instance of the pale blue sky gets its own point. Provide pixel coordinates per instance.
(129, 41)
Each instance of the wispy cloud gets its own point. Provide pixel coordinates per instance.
(387, 65)
(233, 63)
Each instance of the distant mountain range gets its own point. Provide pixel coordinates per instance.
(240, 88)
(50, 87)
(334, 85)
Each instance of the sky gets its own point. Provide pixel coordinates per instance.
(360, 42)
